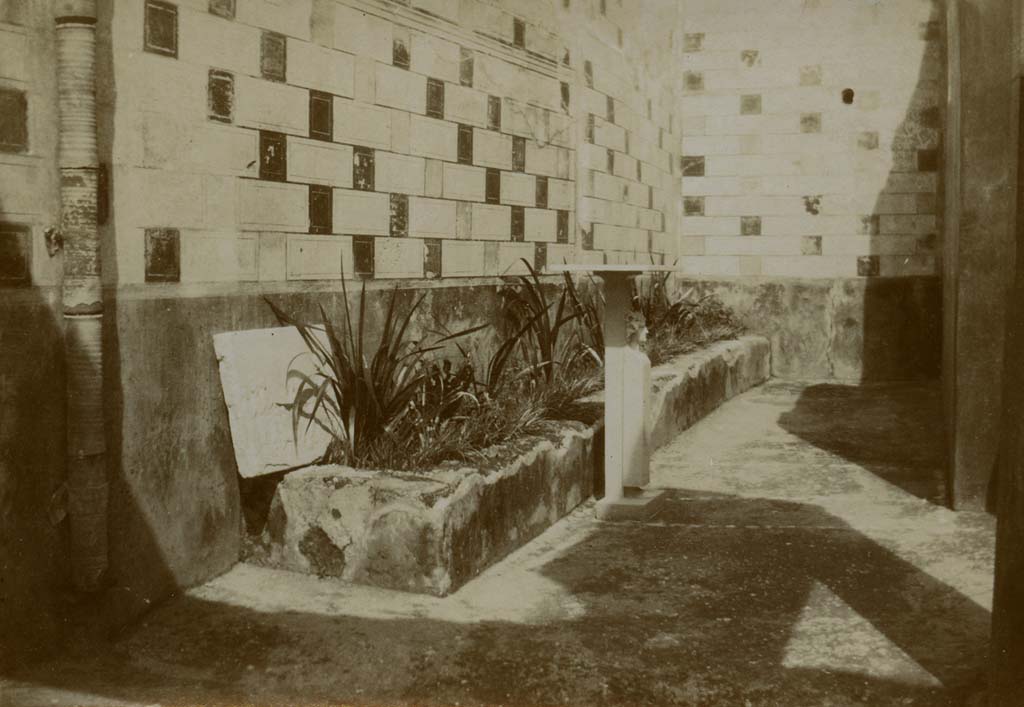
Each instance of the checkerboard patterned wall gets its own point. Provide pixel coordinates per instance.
(303, 139)
(811, 138)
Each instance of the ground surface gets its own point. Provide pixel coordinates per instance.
(802, 560)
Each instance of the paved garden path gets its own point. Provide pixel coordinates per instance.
(802, 560)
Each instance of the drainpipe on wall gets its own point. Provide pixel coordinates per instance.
(82, 299)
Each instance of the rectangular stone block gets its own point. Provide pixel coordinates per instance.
(275, 106)
(464, 182)
(462, 258)
(398, 88)
(289, 18)
(361, 213)
(398, 258)
(431, 218)
(319, 162)
(320, 68)
(205, 39)
(541, 160)
(465, 105)
(518, 189)
(272, 206)
(561, 194)
(490, 222)
(362, 34)
(492, 149)
(319, 257)
(429, 137)
(511, 257)
(433, 56)
(541, 225)
(361, 124)
(212, 256)
(400, 173)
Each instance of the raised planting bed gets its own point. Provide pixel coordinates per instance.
(433, 531)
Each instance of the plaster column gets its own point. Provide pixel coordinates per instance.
(82, 292)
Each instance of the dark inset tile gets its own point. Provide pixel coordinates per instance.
(810, 122)
(542, 193)
(435, 98)
(220, 96)
(565, 96)
(650, 197)
(565, 57)
(362, 255)
(518, 223)
(492, 186)
(693, 42)
(812, 204)
(589, 137)
(273, 56)
(868, 140)
(540, 257)
(223, 8)
(15, 254)
(693, 205)
(619, 37)
(321, 209)
(587, 237)
(870, 224)
(750, 225)
(810, 75)
(432, 257)
(399, 227)
(625, 136)
(610, 159)
(639, 171)
(692, 165)
(693, 80)
(321, 116)
(519, 33)
(588, 73)
(928, 160)
(160, 35)
(562, 227)
(810, 245)
(13, 120)
(363, 172)
(400, 52)
(273, 156)
(750, 104)
(465, 66)
(493, 113)
(750, 57)
(518, 153)
(163, 255)
(868, 266)
(930, 31)
(465, 146)
(609, 110)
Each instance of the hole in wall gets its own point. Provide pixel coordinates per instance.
(848, 96)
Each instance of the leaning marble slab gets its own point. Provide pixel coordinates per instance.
(254, 369)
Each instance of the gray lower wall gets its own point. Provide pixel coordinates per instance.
(861, 329)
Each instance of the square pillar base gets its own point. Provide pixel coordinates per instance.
(636, 504)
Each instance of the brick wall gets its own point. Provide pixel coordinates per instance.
(811, 135)
(268, 140)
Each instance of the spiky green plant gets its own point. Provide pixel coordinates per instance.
(354, 392)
